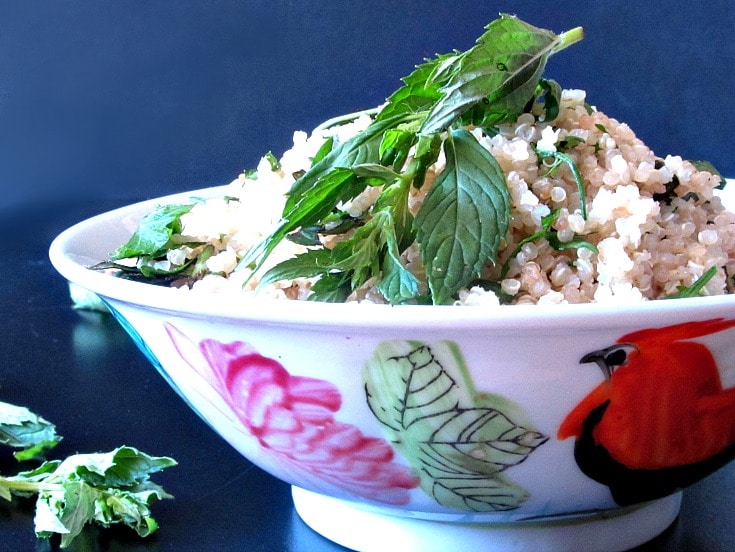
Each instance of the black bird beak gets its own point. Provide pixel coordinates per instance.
(609, 358)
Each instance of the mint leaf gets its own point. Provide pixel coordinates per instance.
(21, 428)
(710, 168)
(305, 265)
(361, 148)
(375, 171)
(397, 284)
(502, 69)
(122, 467)
(153, 232)
(331, 288)
(104, 488)
(394, 200)
(463, 218)
(359, 255)
(420, 91)
(67, 510)
(323, 150)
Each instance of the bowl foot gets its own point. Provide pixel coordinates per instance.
(365, 530)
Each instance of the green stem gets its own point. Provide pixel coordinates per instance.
(469, 383)
(568, 38)
(29, 486)
(348, 117)
(560, 158)
(22, 486)
(696, 287)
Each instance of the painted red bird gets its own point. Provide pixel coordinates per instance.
(661, 420)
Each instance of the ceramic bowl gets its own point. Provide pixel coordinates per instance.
(440, 428)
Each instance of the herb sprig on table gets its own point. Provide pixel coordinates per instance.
(103, 488)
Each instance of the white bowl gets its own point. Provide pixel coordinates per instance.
(436, 428)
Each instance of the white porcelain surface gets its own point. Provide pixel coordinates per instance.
(314, 393)
(370, 531)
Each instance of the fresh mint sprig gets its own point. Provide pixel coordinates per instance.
(463, 219)
(465, 215)
(502, 70)
(103, 488)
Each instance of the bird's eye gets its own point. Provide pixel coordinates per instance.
(609, 358)
(618, 354)
(616, 357)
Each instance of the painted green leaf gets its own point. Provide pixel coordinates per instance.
(458, 441)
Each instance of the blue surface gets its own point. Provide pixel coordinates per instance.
(137, 99)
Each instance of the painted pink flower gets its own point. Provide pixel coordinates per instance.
(292, 417)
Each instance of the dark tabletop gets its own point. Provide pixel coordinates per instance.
(79, 370)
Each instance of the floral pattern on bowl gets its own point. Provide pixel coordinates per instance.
(279, 379)
(293, 420)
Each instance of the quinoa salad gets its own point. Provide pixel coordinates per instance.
(593, 215)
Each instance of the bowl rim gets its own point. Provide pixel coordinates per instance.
(67, 255)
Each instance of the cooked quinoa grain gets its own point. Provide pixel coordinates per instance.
(652, 225)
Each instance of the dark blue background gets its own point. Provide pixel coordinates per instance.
(142, 98)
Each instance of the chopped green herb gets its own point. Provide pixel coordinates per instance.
(710, 168)
(550, 92)
(569, 142)
(273, 161)
(563, 158)
(669, 192)
(21, 428)
(153, 233)
(251, 174)
(548, 233)
(696, 288)
(102, 488)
